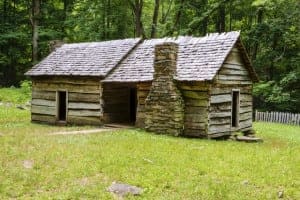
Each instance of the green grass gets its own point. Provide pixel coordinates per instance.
(83, 166)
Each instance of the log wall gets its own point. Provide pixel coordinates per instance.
(232, 76)
(196, 104)
(83, 94)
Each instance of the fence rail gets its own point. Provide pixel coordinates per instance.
(278, 117)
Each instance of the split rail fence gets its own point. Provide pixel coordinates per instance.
(278, 117)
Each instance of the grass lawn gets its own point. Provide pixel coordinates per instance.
(83, 166)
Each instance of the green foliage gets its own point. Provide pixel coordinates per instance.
(269, 29)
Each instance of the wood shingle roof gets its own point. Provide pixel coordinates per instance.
(131, 60)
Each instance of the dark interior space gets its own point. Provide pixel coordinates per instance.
(62, 106)
(132, 104)
(235, 109)
(120, 103)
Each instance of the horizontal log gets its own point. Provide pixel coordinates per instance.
(233, 66)
(245, 123)
(220, 107)
(89, 106)
(218, 121)
(81, 97)
(233, 82)
(245, 116)
(245, 103)
(228, 71)
(40, 94)
(42, 102)
(194, 94)
(69, 80)
(245, 109)
(218, 128)
(228, 90)
(85, 113)
(246, 97)
(228, 77)
(219, 114)
(46, 110)
(220, 98)
(84, 120)
(69, 87)
(43, 118)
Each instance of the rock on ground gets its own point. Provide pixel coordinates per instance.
(122, 189)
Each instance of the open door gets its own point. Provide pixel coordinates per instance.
(133, 104)
(235, 108)
(62, 106)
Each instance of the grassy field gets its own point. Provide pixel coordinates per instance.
(83, 166)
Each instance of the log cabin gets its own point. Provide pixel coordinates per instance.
(184, 86)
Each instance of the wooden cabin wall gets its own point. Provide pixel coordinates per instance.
(142, 93)
(116, 103)
(83, 107)
(232, 75)
(196, 102)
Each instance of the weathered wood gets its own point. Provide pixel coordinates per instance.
(220, 107)
(43, 118)
(68, 87)
(227, 90)
(245, 109)
(81, 97)
(217, 121)
(218, 128)
(220, 114)
(234, 82)
(69, 80)
(278, 117)
(84, 120)
(85, 113)
(220, 98)
(89, 106)
(245, 116)
(195, 133)
(229, 71)
(40, 94)
(43, 110)
(228, 77)
(42, 102)
(234, 58)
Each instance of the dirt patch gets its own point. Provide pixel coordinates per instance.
(82, 132)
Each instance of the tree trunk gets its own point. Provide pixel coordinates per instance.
(35, 29)
(256, 44)
(221, 19)
(154, 19)
(177, 18)
(137, 8)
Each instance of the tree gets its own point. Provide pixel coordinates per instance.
(35, 29)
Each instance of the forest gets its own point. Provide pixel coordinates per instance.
(269, 31)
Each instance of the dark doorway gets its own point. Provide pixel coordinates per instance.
(235, 109)
(62, 106)
(133, 104)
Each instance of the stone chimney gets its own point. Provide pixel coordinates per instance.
(164, 110)
(54, 44)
